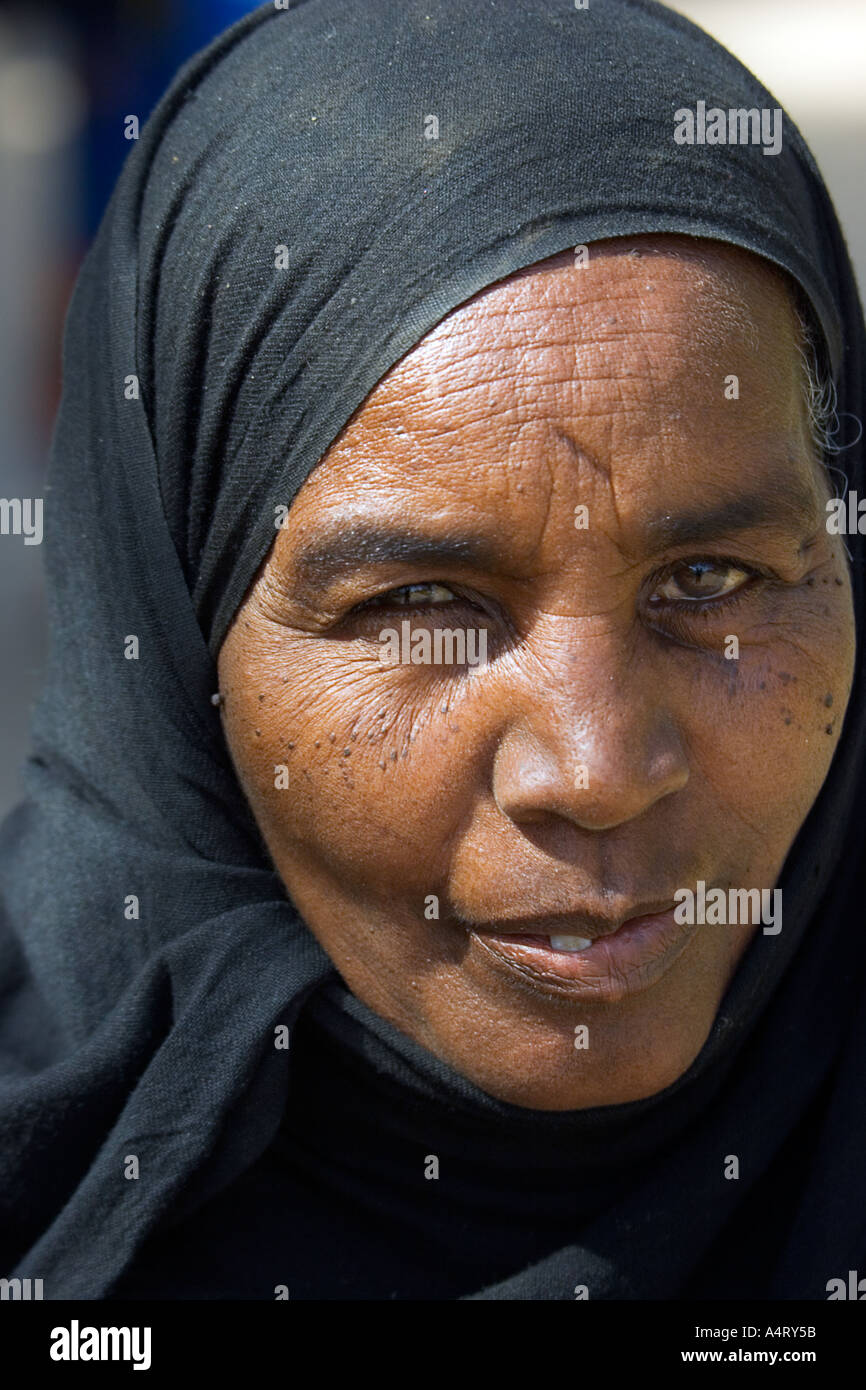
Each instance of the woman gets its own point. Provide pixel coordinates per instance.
(339, 971)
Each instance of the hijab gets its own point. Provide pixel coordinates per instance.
(315, 191)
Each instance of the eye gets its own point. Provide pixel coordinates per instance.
(701, 579)
(414, 595)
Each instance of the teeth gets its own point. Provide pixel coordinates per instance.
(570, 943)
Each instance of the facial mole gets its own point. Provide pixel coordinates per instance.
(828, 699)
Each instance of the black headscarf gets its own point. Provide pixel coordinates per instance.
(281, 234)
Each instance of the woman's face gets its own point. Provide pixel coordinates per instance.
(617, 745)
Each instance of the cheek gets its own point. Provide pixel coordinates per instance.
(764, 727)
(349, 764)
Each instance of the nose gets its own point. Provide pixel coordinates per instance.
(597, 745)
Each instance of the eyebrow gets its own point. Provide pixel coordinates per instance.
(366, 544)
(791, 506)
(360, 544)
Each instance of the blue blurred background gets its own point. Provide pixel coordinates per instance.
(70, 72)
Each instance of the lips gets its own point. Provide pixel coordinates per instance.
(617, 960)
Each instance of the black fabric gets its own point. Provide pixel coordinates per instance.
(153, 1036)
(343, 1205)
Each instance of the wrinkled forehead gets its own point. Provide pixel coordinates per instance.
(659, 380)
(642, 318)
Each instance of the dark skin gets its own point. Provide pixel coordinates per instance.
(561, 386)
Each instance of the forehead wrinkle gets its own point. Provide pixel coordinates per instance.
(702, 297)
(416, 410)
(581, 454)
(514, 357)
(438, 360)
(713, 294)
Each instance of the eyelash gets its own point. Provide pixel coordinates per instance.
(705, 608)
(376, 603)
(722, 601)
